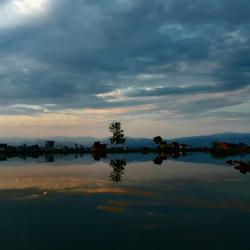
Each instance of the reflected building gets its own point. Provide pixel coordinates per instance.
(97, 156)
(163, 156)
(49, 158)
(176, 155)
(3, 157)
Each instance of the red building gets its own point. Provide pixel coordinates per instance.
(227, 146)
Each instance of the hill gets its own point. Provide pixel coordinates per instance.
(204, 140)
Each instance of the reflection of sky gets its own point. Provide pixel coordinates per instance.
(94, 178)
(67, 202)
(206, 158)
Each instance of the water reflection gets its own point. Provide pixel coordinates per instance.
(159, 159)
(85, 175)
(243, 167)
(3, 157)
(49, 158)
(97, 156)
(69, 198)
(118, 167)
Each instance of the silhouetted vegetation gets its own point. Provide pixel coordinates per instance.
(157, 139)
(118, 167)
(158, 160)
(224, 148)
(118, 136)
(243, 167)
(169, 148)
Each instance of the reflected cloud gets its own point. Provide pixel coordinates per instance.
(89, 177)
(36, 188)
(117, 207)
(212, 203)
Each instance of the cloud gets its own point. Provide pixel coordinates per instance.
(80, 55)
(15, 13)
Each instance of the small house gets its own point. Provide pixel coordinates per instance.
(3, 148)
(49, 145)
(183, 146)
(34, 148)
(227, 146)
(99, 147)
(165, 146)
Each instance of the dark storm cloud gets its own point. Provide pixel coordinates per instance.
(85, 48)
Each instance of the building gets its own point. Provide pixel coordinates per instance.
(243, 146)
(165, 146)
(12, 149)
(226, 146)
(49, 145)
(22, 148)
(34, 148)
(183, 146)
(3, 148)
(98, 147)
(3, 157)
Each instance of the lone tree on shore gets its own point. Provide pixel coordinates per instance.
(158, 139)
(215, 144)
(118, 133)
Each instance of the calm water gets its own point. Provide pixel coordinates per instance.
(123, 202)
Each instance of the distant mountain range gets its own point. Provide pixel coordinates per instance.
(204, 140)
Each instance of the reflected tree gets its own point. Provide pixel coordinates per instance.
(49, 158)
(118, 167)
(158, 160)
(243, 167)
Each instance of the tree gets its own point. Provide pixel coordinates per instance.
(215, 144)
(118, 133)
(176, 145)
(157, 139)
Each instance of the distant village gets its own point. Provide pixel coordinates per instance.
(49, 147)
(98, 149)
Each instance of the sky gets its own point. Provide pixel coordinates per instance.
(164, 67)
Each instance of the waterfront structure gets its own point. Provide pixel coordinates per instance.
(3, 148)
(49, 145)
(99, 147)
